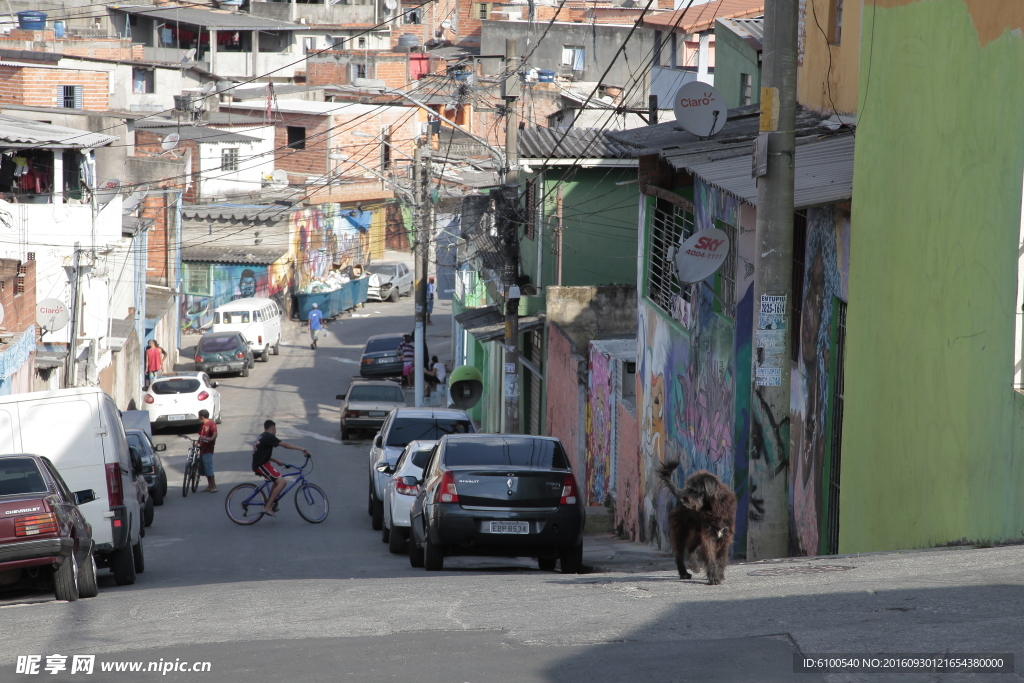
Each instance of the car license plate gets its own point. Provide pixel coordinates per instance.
(385, 360)
(510, 528)
(219, 368)
(377, 413)
(178, 417)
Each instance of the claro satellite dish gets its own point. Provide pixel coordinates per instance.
(700, 109)
(52, 315)
(170, 142)
(700, 256)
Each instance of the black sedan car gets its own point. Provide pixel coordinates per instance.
(223, 352)
(380, 356)
(152, 466)
(500, 495)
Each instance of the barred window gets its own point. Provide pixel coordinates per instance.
(530, 219)
(671, 224)
(726, 279)
(229, 159)
(197, 278)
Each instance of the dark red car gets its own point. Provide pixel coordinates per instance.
(42, 532)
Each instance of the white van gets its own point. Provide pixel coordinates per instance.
(80, 431)
(259, 321)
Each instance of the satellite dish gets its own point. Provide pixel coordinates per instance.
(170, 141)
(701, 255)
(108, 190)
(188, 56)
(279, 179)
(52, 315)
(446, 24)
(700, 109)
(208, 88)
(330, 40)
(392, 5)
(134, 199)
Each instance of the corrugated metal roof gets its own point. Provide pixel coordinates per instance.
(203, 134)
(17, 131)
(824, 173)
(750, 30)
(488, 323)
(572, 143)
(210, 18)
(252, 212)
(216, 254)
(702, 17)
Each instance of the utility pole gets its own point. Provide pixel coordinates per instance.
(421, 187)
(558, 230)
(510, 234)
(768, 534)
(76, 275)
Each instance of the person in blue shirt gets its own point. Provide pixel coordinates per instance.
(316, 323)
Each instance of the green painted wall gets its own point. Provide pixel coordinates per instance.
(733, 56)
(932, 436)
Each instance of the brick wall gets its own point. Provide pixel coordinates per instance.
(149, 142)
(19, 308)
(72, 46)
(38, 87)
(335, 67)
(565, 402)
(311, 161)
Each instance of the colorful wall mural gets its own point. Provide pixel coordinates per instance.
(229, 282)
(600, 425)
(826, 275)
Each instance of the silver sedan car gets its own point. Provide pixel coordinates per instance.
(399, 492)
(367, 403)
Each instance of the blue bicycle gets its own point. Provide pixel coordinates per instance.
(245, 502)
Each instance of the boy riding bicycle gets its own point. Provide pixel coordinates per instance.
(262, 456)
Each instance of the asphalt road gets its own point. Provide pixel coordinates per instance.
(285, 600)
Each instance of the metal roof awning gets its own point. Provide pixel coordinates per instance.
(824, 173)
(232, 254)
(488, 323)
(16, 131)
(50, 356)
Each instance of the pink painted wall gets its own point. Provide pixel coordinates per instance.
(629, 490)
(564, 408)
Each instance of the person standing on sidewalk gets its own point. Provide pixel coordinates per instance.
(431, 292)
(207, 440)
(407, 351)
(154, 362)
(315, 322)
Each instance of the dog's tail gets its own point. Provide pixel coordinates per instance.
(665, 474)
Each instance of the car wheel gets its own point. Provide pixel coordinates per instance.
(572, 560)
(87, 585)
(163, 483)
(65, 580)
(393, 297)
(265, 356)
(547, 564)
(140, 559)
(415, 553)
(345, 433)
(433, 557)
(123, 564)
(147, 515)
(385, 533)
(369, 500)
(245, 371)
(396, 544)
(157, 496)
(378, 515)
(217, 421)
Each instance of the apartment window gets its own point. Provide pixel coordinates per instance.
(362, 42)
(142, 81)
(358, 71)
(309, 44)
(746, 89)
(197, 278)
(296, 137)
(671, 225)
(69, 96)
(229, 159)
(413, 16)
(482, 10)
(835, 23)
(574, 56)
(385, 148)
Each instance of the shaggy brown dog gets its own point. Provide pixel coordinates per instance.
(702, 523)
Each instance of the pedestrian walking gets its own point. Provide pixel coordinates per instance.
(431, 291)
(154, 362)
(315, 322)
(207, 441)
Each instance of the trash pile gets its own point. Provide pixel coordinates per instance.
(328, 283)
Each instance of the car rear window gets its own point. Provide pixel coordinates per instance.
(532, 453)
(175, 386)
(404, 430)
(234, 317)
(375, 345)
(20, 476)
(215, 344)
(419, 458)
(366, 392)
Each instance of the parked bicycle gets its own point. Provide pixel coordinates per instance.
(245, 502)
(193, 464)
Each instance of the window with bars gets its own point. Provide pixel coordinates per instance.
(835, 31)
(671, 224)
(482, 10)
(197, 278)
(69, 96)
(531, 208)
(746, 89)
(725, 278)
(229, 159)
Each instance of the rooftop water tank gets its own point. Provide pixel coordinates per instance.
(406, 40)
(32, 20)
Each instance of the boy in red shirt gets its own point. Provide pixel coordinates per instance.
(207, 440)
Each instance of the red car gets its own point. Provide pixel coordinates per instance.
(42, 532)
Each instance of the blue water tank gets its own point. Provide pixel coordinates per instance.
(32, 20)
(545, 76)
(58, 29)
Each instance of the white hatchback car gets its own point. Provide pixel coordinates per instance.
(177, 399)
(399, 493)
(388, 281)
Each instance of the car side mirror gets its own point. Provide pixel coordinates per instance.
(411, 481)
(160, 447)
(340, 397)
(84, 496)
(377, 441)
(384, 469)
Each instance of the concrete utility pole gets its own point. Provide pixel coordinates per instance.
(768, 534)
(76, 277)
(421, 186)
(510, 233)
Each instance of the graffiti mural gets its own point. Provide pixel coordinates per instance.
(825, 280)
(600, 425)
(228, 282)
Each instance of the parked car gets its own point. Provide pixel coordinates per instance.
(259, 321)
(367, 403)
(141, 489)
(403, 426)
(80, 431)
(399, 492)
(42, 532)
(503, 495)
(388, 281)
(177, 399)
(152, 465)
(380, 356)
(223, 353)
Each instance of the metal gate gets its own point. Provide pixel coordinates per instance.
(832, 520)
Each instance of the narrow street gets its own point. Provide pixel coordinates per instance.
(290, 601)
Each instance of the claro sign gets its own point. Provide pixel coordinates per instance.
(701, 255)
